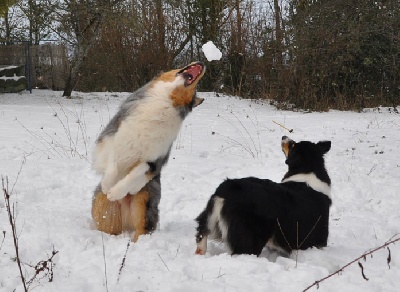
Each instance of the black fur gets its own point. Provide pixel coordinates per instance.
(154, 188)
(152, 213)
(291, 215)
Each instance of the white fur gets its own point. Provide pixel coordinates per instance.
(142, 137)
(132, 183)
(216, 219)
(202, 246)
(272, 246)
(212, 222)
(312, 181)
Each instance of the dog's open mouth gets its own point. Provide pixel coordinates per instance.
(192, 72)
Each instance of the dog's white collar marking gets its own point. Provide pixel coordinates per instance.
(312, 181)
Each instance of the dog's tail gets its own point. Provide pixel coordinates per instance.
(209, 223)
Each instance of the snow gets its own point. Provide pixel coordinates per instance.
(7, 67)
(15, 78)
(211, 51)
(45, 152)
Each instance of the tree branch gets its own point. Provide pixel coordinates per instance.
(4, 183)
(363, 256)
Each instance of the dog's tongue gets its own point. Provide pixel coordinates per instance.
(194, 70)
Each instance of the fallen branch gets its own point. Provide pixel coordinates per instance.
(289, 130)
(363, 256)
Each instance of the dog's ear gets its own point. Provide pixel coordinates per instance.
(324, 146)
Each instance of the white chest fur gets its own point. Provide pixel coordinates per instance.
(144, 135)
(148, 133)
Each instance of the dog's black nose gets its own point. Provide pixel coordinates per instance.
(285, 137)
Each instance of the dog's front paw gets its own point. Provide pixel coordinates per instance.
(116, 193)
(105, 188)
(106, 184)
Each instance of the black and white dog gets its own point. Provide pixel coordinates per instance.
(250, 213)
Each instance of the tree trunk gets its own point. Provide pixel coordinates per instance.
(161, 32)
(8, 30)
(279, 34)
(86, 26)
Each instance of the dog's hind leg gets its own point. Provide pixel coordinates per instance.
(202, 233)
(152, 213)
(106, 214)
(133, 211)
(209, 223)
(133, 182)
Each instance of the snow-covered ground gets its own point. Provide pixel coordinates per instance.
(45, 149)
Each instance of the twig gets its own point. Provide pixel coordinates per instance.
(247, 132)
(289, 130)
(389, 258)
(13, 228)
(177, 250)
(363, 256)
(309, 232)
(123, 260)
(4, 237)
(46, 144)
(219, 273)
(237, 143)
(280, 227)
(105, 263)
(18, 174)
(163, 262)
(372, 169)
(297, 242)
(362, 271)
(245, 137)
(44, 266)
(297, 236)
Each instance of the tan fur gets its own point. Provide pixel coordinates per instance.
(106, 214)
(138, 213)
(285, 149)
(182, 95)
(127, 214)
(168, 76)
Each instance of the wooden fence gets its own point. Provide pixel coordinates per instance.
(46, 65)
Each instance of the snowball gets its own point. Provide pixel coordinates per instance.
(211, 51)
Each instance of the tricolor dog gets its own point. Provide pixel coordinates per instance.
(248, 214)
(132, 149)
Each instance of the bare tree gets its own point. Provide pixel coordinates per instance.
(80, 24)
(5, 16)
